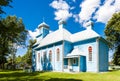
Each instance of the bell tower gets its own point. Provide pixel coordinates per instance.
(43, 30)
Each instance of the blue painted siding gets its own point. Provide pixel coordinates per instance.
(91, 66)
(103, 56)
(65, 61)
(67, 47)
(54, 64)
(82, 64)
(75, 68)
(45, 32)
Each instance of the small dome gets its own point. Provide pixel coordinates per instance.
(43, 24)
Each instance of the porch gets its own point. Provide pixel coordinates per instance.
(75, 61)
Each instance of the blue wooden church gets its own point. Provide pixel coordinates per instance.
(84, 51)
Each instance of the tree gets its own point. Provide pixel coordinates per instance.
(112, 33)
(27, 58)
(116, 57)
(4, 3)
(18, 59)
(12, 34)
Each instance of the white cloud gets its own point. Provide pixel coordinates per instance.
(74, 0)
(92, 10)
(89, 10)
(88, 7)
(72, 8)
(60, 4)
(117, 5)
(76, 17)
(33, 34)
(62, 9)
(62, 14)
(106, 11)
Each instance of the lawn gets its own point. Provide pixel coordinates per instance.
(58, 76)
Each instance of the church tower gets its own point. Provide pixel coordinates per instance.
(43, 30)
(62, 24)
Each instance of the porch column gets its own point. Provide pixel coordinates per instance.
(79, 63)
(68, 63)
(97, 55)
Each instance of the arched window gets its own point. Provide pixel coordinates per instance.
(38, 57)
(90, 53)
(58, 54)
(50, 55)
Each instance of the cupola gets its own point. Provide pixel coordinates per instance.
(62, 24)
(89, 25)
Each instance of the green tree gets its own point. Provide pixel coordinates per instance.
(12, 34)
(27, 58)
(116, 57)
(4, 3)
(112, 33)
(18, 59)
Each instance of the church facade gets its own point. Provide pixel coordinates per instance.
(84, 51)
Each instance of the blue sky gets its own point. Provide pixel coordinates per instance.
(76, 12)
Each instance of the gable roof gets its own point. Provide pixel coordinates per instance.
(76, 51)
(63, 34)
(83, 35)
(58, 35)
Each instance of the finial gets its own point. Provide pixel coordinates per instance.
(43, 19)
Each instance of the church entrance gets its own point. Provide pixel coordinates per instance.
(75, 64)
(83, 63)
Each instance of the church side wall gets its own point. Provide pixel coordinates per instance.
(91, 66)
(103, 56)
(54, 65)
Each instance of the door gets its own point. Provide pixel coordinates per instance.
(83, 63)
(69, 65)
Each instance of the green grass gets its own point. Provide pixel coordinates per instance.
(58, 76)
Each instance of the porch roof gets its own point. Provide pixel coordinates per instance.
(76, 52)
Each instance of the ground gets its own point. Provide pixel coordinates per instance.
(59, 76)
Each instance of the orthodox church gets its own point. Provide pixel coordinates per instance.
(84, 51)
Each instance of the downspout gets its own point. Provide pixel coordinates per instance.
(97, 55)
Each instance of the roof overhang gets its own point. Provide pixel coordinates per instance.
(72, 56)
(76, 52)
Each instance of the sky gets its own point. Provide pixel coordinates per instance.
(77, 13)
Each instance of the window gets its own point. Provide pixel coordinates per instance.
(38, 57)
(44, 56)
(90, 53)
(58, 54)
(50, 55)
(74, 61)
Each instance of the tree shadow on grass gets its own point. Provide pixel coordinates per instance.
(54, 79)
(113, 70)
(22, 76)
(18, 74)
(62, 79)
